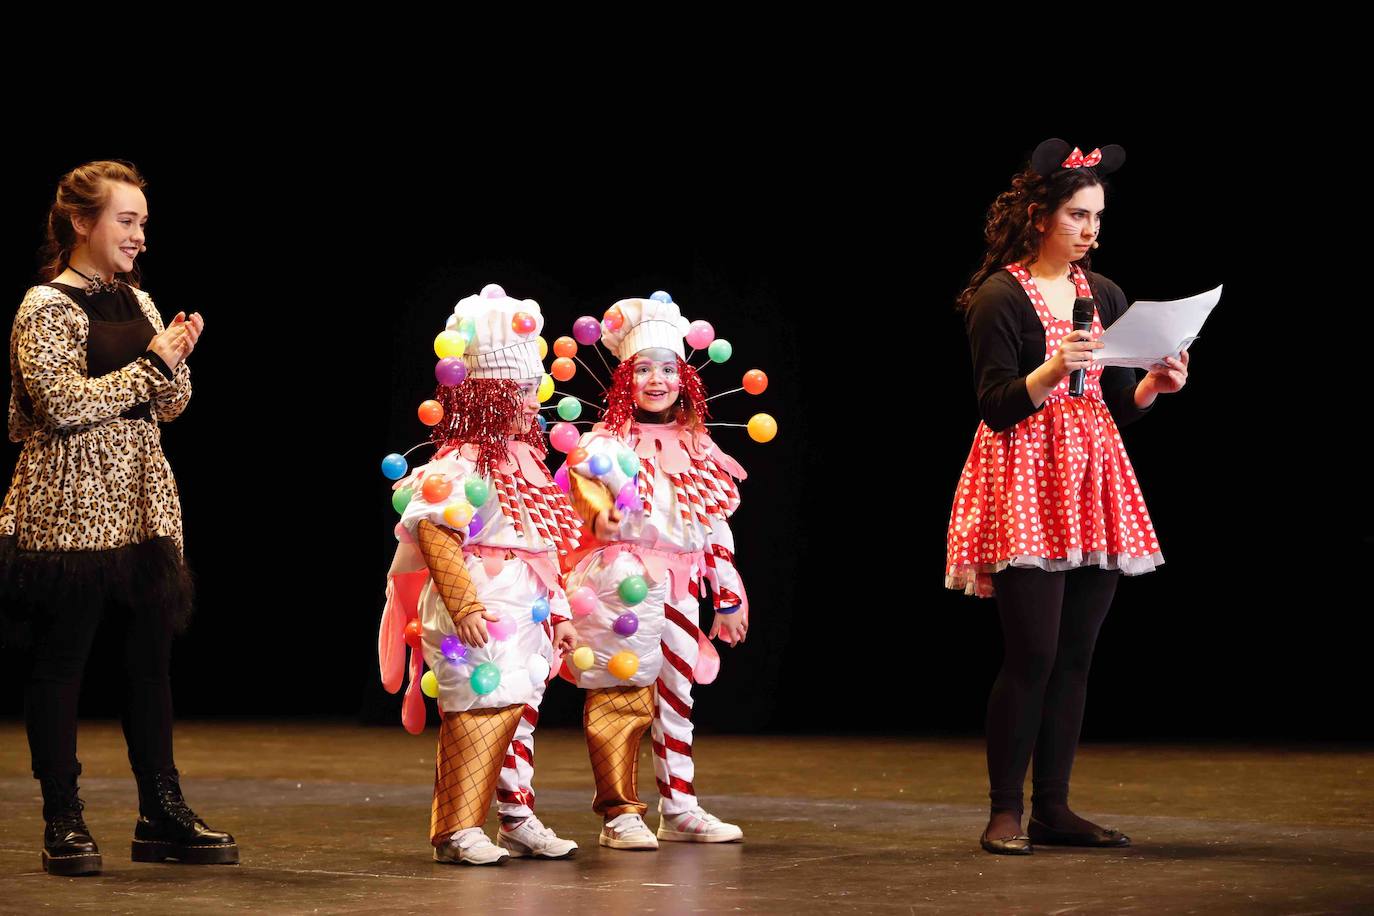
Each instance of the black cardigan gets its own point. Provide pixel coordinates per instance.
(1007, 341)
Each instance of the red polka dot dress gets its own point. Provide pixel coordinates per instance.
(1056, 490)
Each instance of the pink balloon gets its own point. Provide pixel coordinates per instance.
(560, 477)
(700, 334)
(563, 437)
(582, 601)
(501, 629)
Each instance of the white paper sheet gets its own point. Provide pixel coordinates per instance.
(1150, 331)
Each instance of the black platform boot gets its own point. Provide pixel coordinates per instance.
(168, 829)
(67, 845)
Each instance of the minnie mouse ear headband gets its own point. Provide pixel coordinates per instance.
(1055, 154)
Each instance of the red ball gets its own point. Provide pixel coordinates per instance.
(563, 369)
(755, 382)
(436, 488)
(523, 323)
(431, 412)
(413, 633)
(577, 456)
(565, 346)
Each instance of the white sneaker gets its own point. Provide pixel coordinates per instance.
(627, 831)
(696, 826)
(532, 838)
(470, 847)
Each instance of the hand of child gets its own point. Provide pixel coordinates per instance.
(606, 524)
(472, 629)
(730, 628)
(564, 637)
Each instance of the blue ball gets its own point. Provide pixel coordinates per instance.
(600, 465)
(394, 466)
(543, 424)
(661, 296)
(540, 610)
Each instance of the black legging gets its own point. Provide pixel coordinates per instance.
(62, 644)
(1050, 622)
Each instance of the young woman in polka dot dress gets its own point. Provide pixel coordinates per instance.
(1048, 511)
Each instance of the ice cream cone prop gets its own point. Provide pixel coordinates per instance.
(472, 747)
(615, 720)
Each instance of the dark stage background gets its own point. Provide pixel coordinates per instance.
(830, 255)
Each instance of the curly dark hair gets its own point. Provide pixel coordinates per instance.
(1011, 233)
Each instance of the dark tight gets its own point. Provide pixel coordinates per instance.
(1050, 622)
(58, 659)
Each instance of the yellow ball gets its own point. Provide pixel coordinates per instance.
(449, 343)
(457, 515)
(623, 665)
(762, 428)
(429, 685)
(583, 658)
(543, 348)
(545, 388)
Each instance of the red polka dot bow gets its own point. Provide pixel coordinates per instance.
(1077, 160)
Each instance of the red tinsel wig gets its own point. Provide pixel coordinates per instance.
(689, 409)
(480, 412)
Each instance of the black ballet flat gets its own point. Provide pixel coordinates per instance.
(1019, 845)
(1101, 837)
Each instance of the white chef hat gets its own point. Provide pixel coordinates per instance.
(648, 323)
(498, 349)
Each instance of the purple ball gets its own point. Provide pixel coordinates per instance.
(628, 497)
(560, 478)
(453, 649)
(626, 624)
(586, 330)
(474, 526)
(450, 371)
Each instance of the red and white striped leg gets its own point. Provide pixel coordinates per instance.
(514, 796)
(672, 725)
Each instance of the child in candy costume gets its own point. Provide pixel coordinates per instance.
(475, 582)
(657, 492)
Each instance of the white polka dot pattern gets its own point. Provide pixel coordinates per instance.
(1054, 491)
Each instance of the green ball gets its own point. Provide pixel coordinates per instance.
(486, 677)
(476, 490)
(570, 408)
(633, 589)
(629, 463)
(468, 328)
(400, 499)
(720, 350)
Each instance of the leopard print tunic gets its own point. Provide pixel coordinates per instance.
(86, 479)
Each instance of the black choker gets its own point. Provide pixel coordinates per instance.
(96, 284)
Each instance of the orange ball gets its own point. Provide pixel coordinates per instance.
(623, 665)
(563, 369)
(613, 318)
(523, 323)
(431, 412)
(577, 456)
(413, 633)
(565, 346)
(436, 488)
(755, 382)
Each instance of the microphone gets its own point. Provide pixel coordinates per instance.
(1082, 321)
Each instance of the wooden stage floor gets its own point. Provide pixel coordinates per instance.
(332, 818)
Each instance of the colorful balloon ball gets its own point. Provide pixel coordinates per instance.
(563, 369)
(486, 677)
(583, 658)
(755, 381)
(570, 408)
(560, 479)
(453, 649)
(563, 437)
(449, 344)
(501, 629)
(582, 601)
(493, 291)
(476, 490)
(700, 334)
(626, 624)
(613, 319)
(586, 330)
(565, 347)
(661, 296)
(400, 499)
(413, 632)
(429, 685)
(436, 488)
(600, 465)
(543, 347)
(577, 455)
(540, 611)
(762, 427)
(543, 424)
(538, 668)
(628, 461)
(474, 526)
(430, 412)
(545, 388)
(633, 589)
(450, 371)
(628, 497)
(467, 328)
(623, 665)
(523, 323)
(457, 515)
(720, 350)
(394, 466)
